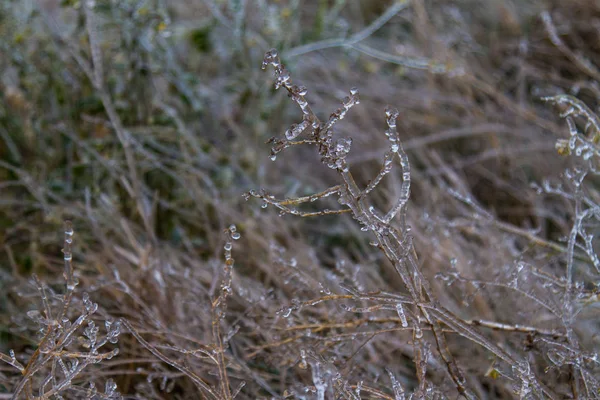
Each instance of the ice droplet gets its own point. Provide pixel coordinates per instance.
(418, 332)
(391, 115)
(302, 91)
(401, 314)
(303, 364)
(296, 129)
(270, 58)
(110, 387)
(342, 147)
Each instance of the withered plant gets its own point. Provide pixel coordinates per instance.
(418, 308)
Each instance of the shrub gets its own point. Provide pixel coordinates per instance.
(418, 308)
(454, 255)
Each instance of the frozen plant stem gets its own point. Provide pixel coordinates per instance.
(217, 355)
(218, 313)
(394, 240)
(582, 143)
(57, 362)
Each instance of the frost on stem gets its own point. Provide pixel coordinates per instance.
(219, 303)
(583, 143)
(324, 376)
(297, 93)
(396, 387)
(396, 244)
(68, 256)
(310, 127)
(216, 352)
(68, 345)
(419, 307)
(219, 306)
(401, 314)
(333, 154)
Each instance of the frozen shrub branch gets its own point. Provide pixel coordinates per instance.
(584, 144)
(58, 359)
(214, 352)
(419, 311)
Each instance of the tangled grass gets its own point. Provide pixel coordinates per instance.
(447, 247)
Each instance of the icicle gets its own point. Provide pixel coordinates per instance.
(401, 314)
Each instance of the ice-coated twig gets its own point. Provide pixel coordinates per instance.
(340, 113)
(515, 328)
(396, 387)
(71, 281)
(55, 354)
(585, 143)
(304, 199)
(46, 305)
(218, 313)
(12, 360)
(207, 390)
(422, 312)
(283, 204)
(385, 169)
(397, 245)
(396, 147)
